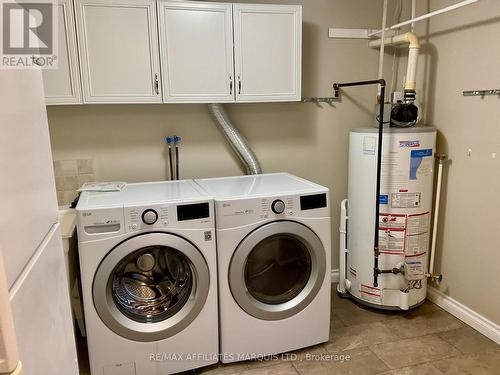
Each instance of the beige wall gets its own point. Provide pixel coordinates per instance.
(126, 141)
(461, 51)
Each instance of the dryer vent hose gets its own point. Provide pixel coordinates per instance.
(238, 143)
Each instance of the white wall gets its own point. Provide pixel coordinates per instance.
(126, 141)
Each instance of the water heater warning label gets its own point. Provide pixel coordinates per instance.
(395, 221)
(401, 234)
(392, 233)
(405, 200)
(391, 241)
(417, 233)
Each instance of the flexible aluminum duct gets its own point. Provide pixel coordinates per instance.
(235, 139)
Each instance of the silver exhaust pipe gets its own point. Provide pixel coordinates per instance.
(238, 143)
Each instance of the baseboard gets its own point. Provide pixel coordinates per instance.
(335, 275)
(465, 314)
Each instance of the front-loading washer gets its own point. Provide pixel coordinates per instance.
(273, 246)
(149, 281)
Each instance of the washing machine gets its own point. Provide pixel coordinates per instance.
(148, 268)
(273, 246)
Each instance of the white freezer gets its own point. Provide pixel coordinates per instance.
(27, 188)
(42, 312)
(35, 317)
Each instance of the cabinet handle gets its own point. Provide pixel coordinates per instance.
(230, 84)
(239, 84)
(157, 85)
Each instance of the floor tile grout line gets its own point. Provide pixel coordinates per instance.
(387, 316)
(410, 338)
(419, 364)
(380, 359)
(461, 351)
(436, 333)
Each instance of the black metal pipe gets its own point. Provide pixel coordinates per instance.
(176, 161)
(170, 165)
(382, 83)
(394, 271)
(376, 250)
(337, 86)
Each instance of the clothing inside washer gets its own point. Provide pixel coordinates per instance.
(152, 284)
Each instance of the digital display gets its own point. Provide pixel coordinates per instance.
(310, 202)
(193, 211)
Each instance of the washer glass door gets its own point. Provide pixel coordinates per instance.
(277, 270)
(151, 286)
(152, 283)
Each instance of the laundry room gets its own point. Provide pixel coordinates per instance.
(249, 187)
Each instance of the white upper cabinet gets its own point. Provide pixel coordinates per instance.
(62, 85)
(119, 56)
(267, 52)
(112, 54)
(196, 40)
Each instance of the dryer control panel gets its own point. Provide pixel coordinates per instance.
(237, 212)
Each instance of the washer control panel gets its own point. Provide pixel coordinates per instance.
(137, 218)
(99, 222)
(160, 216)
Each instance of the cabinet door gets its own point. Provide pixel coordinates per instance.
(63, 85)
(197, 51)
(268, 52)
(119, 56)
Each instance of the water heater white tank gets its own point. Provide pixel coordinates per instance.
(404, 221)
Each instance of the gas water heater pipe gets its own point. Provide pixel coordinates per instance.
(441, 158)
(376, 252)
(411, 71)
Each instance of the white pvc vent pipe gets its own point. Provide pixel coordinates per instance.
(412, 40)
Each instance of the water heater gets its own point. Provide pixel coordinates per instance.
(405, 203)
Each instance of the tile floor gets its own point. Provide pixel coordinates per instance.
(424, 341)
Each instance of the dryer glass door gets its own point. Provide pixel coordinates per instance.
(277, 270)
(151, 286)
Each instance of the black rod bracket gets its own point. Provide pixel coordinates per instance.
(338, 86)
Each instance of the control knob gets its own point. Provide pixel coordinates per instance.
(149, 217)
(278, 206)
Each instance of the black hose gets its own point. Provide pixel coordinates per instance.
(176, 162)
(170, 165)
